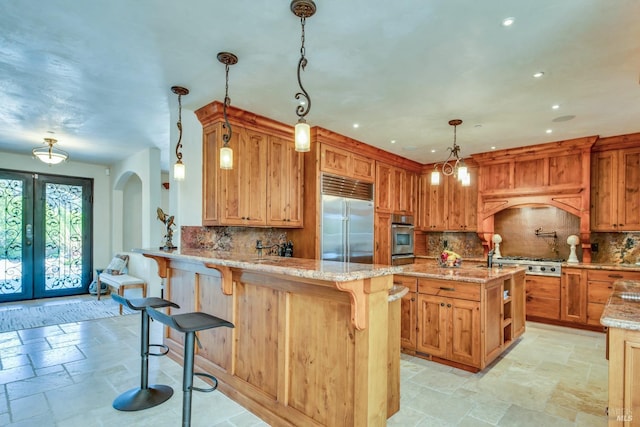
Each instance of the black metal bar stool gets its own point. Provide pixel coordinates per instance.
(190, 323)
(145, 396)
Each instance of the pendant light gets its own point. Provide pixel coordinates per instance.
(49, 154)
(178, 168)
(226, 153)
(302, 135)
(454, 165)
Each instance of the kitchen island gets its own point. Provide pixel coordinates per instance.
(622, 318)
(464, 317)
(310, 343)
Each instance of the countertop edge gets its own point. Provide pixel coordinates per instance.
(621, 313)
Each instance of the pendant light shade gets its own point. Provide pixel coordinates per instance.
(49, 154)
(226, 158)
(435, 177)
(454, 165)
(302, 136)
(178, 171)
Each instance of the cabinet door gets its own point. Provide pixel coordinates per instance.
(604, 201)
(629, 190)
(334, 160)
(382, 234)
(422, 222)
(471, 202)
(408, 319)
(432, 324)
(543, 297)
(284, 184)
(244, 187)
(464, 319)
(210, 175)
(362, 168)
(384, 187)
(573, 301)
(438, 210)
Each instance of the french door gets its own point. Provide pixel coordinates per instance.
(45, 235)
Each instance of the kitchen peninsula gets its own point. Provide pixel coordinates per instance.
(464, 317)
(310, 342)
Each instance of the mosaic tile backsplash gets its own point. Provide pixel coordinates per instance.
(233, 239)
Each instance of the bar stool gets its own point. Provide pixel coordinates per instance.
(190, 323)
(145, 396)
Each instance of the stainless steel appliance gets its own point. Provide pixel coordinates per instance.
(347, 220)
(402, 240)
(534, 266)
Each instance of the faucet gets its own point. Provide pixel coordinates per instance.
(490, 259)
(259, 247)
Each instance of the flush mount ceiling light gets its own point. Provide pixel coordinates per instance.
(178, 168)
(226, 153)
(49, 154)
(454, 165)
(302, 9)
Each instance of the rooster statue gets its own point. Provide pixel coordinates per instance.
(167, 220)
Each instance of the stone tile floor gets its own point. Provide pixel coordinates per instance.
(68, 375)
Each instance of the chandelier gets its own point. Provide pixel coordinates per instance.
(302, 9)
(49, 154)
(178, 168)
(226, 153)
(454, 165)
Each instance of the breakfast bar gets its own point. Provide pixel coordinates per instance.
(311, 339)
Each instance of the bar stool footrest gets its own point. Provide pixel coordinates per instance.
(206, 390)
(165, 350)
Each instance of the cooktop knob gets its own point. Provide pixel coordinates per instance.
(530, 268)
(553, 269)
(543, 268)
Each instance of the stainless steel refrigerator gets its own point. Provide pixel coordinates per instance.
(347, 220)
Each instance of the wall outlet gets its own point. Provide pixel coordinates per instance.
(594, 247)
(445, 243)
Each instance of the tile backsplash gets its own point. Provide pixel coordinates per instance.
(232, 239)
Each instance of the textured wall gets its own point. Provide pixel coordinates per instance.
(232, 239)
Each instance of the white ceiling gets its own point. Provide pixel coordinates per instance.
(98, 73)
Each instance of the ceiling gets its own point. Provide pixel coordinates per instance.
(98, 74)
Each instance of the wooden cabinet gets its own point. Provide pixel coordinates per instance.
(624, 381)
(395, 189)
(266, 168)
(543, 297)
(346, 163)
(573, 297)
(408, 313)
(285, 184)
(615, 193)
(448, 206)
(599, 289)
(382, 233)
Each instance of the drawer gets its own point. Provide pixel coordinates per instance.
(407, 281)
(599, 292)
(594, 313)
(612, 275)
(548, 308)
(444, 288)
(544, 287)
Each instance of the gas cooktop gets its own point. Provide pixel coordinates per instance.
(535, 266)
(524, 258)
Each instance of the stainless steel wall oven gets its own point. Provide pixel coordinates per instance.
(402, 229)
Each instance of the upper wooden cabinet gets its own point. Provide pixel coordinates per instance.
(345, 163)
(265, 187)
(395, 189)
(448, 206)
(615, 190)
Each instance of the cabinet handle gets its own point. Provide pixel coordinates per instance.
(615, 276)
(449, 305)
(413, 299)
(441, 304)
(447, 289)
(621, 225)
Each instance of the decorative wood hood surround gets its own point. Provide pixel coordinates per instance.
(554, 174)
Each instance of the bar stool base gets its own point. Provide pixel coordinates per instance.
(137, 398)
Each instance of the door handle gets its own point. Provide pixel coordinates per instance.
(28, 234)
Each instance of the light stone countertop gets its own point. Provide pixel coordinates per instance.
(614, 267)
(299, 267)
(396, 292)
(620, 312)
(472, 274)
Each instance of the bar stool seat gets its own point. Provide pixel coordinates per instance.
(190, 323)
(145, 396)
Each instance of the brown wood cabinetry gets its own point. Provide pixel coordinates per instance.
(448, 206)
(624, 381)
(543, 297)
(599, 289)
(266, 167)
(573, 297)
(346, 163)
(395, 189)
(382, 233)
(464, 324)
(615, 180)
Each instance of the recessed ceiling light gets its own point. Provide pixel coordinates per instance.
(538, 74)
(549, 130)
(393, 141)
(507, 22)
(555, 106)
(356, 125)
(433, 150)
(493, 147)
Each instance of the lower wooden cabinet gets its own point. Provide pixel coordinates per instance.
(543, 297)
(599, 289)
(624, 381)
(408, 313)
(573, 297)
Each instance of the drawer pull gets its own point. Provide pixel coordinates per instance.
(615, 276)
(442, 288)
